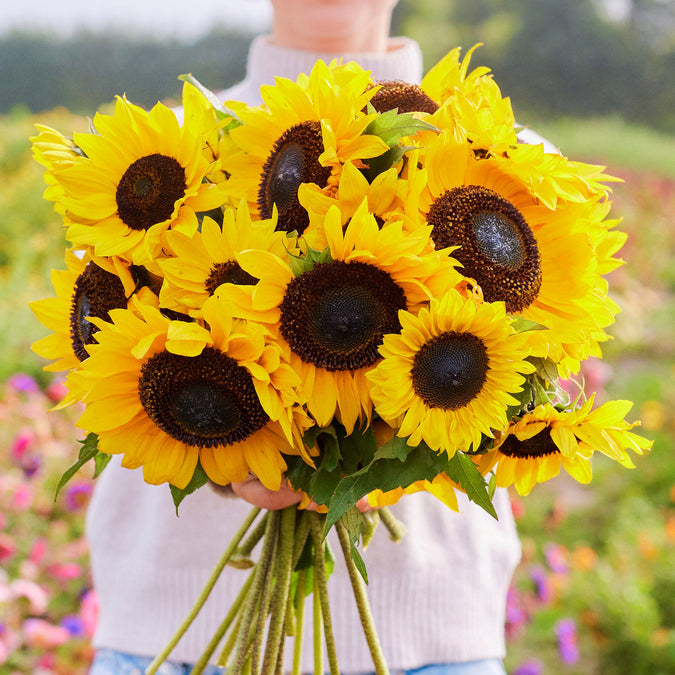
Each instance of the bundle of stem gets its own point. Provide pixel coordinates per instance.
(270, 604)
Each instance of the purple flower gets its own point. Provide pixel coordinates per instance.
(534, 667)
(73, 624)
(556, 557)
(566, 630)
(540, 578)
(78, 495)
(24, 383)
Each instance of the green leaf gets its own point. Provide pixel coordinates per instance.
(547, 370)
(391, 126)
(463, 471)
(395, 448)
(492, 486)
(198, 479)
(352, 522)
(421, 463)
(521, 325)
(358, 562)
(88, 451)
(383, 162)
(215, 102)
(101, 460)
(300, 264)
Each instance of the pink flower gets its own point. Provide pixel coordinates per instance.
(65, 571)
(21, 443)
(36, 595)
(56, 391)
(7, 547)
(41, 633)
(37, 552)
(22, 497)
(556, 557)
(89, 612)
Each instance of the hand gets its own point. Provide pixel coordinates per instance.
(254, 492)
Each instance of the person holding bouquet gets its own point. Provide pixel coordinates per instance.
(438, 596)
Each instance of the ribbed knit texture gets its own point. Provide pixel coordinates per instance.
(437, 596)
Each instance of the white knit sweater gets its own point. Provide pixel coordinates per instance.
(438, 596)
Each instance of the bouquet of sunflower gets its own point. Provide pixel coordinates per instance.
(363, 288)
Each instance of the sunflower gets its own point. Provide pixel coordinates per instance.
(84, 290)
(304, 133)
(169, 393)
(540, 262)
(333, 315)
(470, 104)
(142, 174)
(207, 259)
(449, 376)
(535, 447)
(54, 151)
(383, 197)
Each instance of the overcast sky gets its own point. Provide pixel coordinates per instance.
(155, 17)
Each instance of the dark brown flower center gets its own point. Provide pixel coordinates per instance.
(540, 445)
(449, 370)
(228, 273)
(498, 248)
(207, 400)
(96, 292)
(294, 160)
(406, 97)
(335, 315)
(149, 190)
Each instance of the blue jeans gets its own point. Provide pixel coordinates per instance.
(108, 662)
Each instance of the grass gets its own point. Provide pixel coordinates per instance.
(611, 142)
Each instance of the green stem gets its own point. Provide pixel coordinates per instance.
(316, 633)
(280, 595)
(223, 628)
(316, 523)
(397, 530)
(362, 603)
(299, 622)
(231, 641)
(269, 545)
(241, 556)
(301, 534)
(258, 631)
(206, 591)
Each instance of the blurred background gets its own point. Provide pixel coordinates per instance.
(595, 593)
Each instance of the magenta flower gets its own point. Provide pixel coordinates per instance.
(78, 495)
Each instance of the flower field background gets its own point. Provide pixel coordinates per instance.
(595, 592)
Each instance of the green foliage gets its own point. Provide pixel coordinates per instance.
(199, 479)
(81, 73)
(88, 451)
(559, 57)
